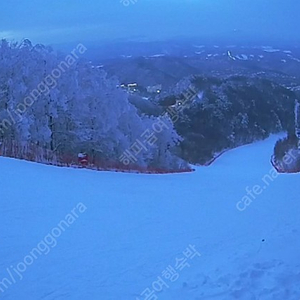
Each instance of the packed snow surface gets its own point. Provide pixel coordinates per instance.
(125, 230)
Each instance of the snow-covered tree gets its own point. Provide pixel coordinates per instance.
(64, 104)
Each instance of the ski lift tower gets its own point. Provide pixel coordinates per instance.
(297, 122)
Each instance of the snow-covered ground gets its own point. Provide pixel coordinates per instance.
(119, 232)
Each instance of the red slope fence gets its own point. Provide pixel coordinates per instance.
(35, 153)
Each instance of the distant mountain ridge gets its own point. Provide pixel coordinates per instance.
(281, 65)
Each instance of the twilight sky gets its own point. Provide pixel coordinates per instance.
(58, 21)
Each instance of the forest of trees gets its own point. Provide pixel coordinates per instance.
(286, 157)
(229, 112)
(65, 105)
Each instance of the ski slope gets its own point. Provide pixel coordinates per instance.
(127, 229)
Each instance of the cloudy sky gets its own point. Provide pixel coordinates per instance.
(58, 21)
